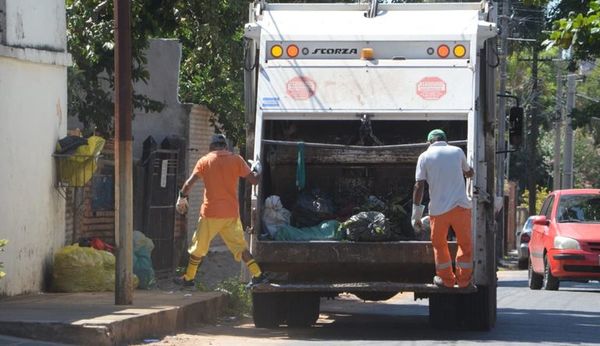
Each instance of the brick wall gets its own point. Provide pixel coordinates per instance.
(84, 222)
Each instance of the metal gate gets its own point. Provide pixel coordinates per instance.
(161, 168)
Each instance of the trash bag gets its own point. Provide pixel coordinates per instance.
(77, 167)
(142, 260)
(274, 215)
(311, 208)
(326, 230)
(366, 226)
(83, 269)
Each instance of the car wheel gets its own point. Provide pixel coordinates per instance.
(551, 283)
(523, 262)
(535, 279)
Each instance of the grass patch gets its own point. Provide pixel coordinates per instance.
(240, 300)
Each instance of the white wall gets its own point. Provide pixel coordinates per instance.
(36, 24)
(33, 116)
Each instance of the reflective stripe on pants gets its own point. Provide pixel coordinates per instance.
(460, 220)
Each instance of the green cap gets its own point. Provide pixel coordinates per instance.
(434, 133)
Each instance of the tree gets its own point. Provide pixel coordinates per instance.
(90, 38)
(576, 26)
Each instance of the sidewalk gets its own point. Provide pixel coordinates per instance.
(92, 318)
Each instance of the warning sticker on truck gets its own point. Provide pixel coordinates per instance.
(431, 88)
(270, 102)
(301, 88)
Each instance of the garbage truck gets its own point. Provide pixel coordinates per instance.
(340, 98)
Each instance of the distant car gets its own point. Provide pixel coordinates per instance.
(565, 240)
(523, 236)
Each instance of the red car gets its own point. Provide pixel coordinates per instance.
(565, 240)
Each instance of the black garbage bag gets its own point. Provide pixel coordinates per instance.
(367, 226)
(312, 207)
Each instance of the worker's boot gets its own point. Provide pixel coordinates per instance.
(181, 281)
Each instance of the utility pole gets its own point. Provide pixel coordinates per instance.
(557, 127)
(501, 125)
(567, 182)
(123, 154)
(534, 134)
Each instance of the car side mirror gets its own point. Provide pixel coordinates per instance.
(541, 220)
(515, 129)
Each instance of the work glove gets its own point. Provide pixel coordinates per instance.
(255, 166)
(182, 205)
(417, 214)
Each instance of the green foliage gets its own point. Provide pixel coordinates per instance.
(240, 300)
(3, 243)
(579, 28)
(586, 159)
(90, 38)
(212, 63)
(540, 197)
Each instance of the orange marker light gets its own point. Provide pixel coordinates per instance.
(459, 51)
(367, 54)
(276, 51)
(292, 51)
(443, 51)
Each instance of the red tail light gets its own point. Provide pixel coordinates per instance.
(525, 238)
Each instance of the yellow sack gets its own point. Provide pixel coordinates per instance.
(84, 269)
(77, 169)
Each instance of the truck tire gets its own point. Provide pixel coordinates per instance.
(268, 309)
(443, 311)
(475, 311)
(478, 310)
(550, 282)
(302, 309)
(535, 280)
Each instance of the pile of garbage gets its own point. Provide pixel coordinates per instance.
(315, 216)
(90, 265)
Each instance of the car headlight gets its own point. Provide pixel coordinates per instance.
(565, 243)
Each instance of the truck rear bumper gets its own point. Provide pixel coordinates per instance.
(352, 287)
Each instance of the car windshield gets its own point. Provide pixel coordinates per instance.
(579, 208)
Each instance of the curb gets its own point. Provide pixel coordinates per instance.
(165, 321)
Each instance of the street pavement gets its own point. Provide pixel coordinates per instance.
(570, 316)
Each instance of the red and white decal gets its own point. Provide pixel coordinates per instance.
(431, 88)
(301, 88)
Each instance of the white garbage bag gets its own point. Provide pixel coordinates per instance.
(275, 215)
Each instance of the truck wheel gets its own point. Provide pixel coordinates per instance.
(268, 309)
(443, 311)
(535, 279)
(551, 283)
(478, 310)
(302, 309)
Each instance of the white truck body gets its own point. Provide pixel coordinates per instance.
(405, 80)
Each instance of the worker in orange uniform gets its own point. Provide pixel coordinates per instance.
(220, 171)
(445, 167)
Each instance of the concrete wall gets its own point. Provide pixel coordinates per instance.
(163, 61)
(35, 24)
(164, 56)
(33, 116)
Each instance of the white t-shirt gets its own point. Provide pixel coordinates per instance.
(442, 166)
